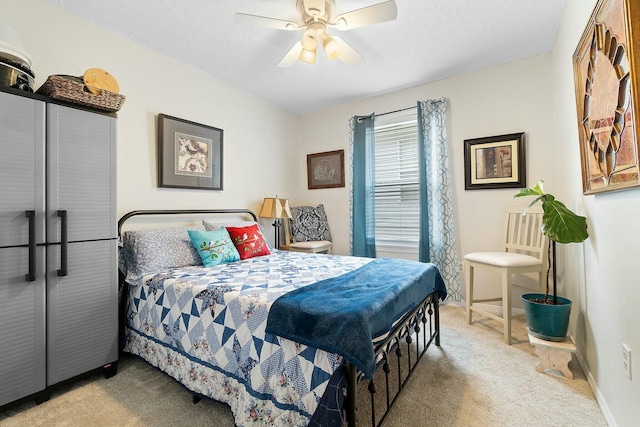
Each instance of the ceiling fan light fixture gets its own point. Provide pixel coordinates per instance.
(314, 8)
(308, 56)
(315, 17)
(331, 47)
(310, 39)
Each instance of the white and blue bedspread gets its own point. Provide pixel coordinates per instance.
(206, 328)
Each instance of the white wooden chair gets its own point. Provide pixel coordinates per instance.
(317, 246)
(525, 251)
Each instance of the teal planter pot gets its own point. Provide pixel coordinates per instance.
(547, 321)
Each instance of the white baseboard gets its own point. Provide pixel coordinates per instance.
(594, 387)
(458, 303)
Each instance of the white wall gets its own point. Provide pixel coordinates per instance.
(603, 273)
(258, 137)
(515, 97)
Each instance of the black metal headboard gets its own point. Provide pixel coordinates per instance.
(128, 215)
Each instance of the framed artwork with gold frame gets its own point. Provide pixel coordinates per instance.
(607, 72)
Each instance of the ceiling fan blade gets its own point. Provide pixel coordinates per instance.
(263, 21)
(347, 54)
(381, 12)
(292, 56)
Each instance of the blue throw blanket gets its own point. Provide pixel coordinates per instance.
(343, 314)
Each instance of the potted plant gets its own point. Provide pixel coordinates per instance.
(548, 318)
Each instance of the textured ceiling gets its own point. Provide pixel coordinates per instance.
(430, 40)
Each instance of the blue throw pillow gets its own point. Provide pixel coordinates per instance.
(214, 247)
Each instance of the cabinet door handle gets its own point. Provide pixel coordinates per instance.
(31, 275)
(63, 243)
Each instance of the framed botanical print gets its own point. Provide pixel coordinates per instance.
(607, 72)
(189, 154)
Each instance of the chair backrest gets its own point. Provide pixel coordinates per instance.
(523, 233)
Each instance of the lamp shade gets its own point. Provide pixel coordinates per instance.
(272, 207)
(308, 56)
(310, 39)
(331, 47)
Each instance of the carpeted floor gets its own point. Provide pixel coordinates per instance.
(473, 379)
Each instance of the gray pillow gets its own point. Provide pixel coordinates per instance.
(210, 226)
(309, 224)
(149, 251)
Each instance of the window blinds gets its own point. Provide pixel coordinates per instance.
(397, 207)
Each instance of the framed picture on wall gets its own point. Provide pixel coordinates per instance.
(189, 154)
(325, 170)
(606, 67)
(495, 162)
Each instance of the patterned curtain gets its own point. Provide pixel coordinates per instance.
(437, 232)
(361, 191)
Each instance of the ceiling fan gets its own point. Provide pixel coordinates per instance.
(315, 17)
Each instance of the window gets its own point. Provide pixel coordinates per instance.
(397, 202)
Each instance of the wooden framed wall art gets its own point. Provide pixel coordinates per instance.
(325, 170)
(189, 154)
(607, 74)
(495, 162)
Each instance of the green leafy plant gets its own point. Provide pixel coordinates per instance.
(559, 224)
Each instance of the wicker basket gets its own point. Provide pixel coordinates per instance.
(72, 89)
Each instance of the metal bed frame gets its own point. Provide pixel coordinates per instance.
(399, 343)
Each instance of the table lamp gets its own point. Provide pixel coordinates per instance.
(273, 207)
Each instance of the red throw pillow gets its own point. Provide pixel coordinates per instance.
(249, 241)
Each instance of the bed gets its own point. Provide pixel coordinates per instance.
(283, 338)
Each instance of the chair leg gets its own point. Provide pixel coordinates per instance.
(506, 305)
(469, 290)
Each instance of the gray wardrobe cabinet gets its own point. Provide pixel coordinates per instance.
(58, 247)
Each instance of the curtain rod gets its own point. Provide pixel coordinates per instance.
(394, 111)
(388, 112)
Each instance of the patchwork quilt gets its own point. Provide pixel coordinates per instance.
(206, 328)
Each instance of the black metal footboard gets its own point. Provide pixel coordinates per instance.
(399, 345)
